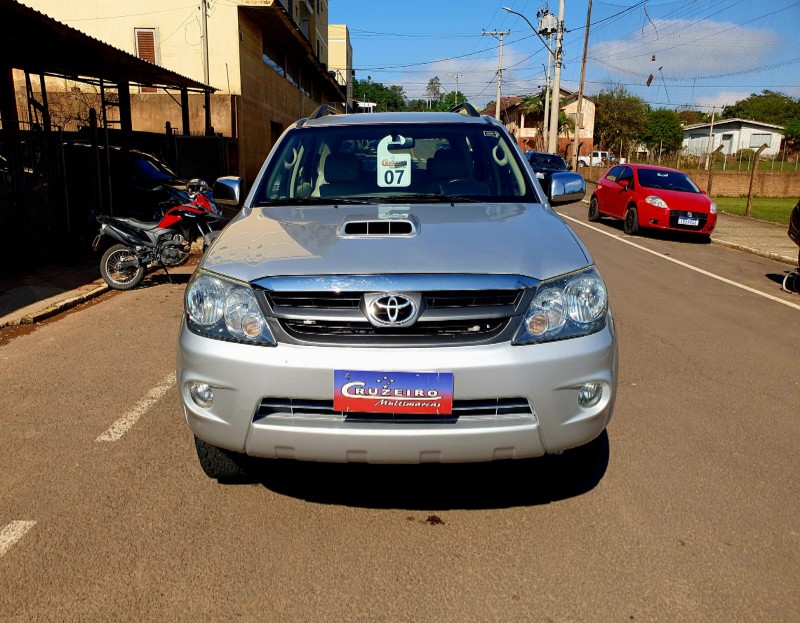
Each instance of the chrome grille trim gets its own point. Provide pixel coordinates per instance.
(454, 310)
(487, 409)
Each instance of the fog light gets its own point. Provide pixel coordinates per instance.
(590, 394)
(202, 394)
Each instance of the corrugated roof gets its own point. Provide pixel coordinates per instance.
(720, 122)
(37, 43)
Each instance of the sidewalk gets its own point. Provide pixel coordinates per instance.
(29, 297)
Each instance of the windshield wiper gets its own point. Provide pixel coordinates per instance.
(304, 201)
(432, 198)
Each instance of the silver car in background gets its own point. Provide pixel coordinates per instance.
(396, 289)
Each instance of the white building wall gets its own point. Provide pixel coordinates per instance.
(178, 33)
(744, 136)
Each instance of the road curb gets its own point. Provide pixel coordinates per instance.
(61, 306)
(765, 254)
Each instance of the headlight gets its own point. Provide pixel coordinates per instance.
(565, 307)
(225, 310)
(713, 208)
(656, 201)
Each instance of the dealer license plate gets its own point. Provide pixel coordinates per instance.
(393, 392)
(688, 221)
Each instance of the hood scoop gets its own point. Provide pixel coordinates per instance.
(370, 227)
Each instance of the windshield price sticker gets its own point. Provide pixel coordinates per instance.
(394, 169)
(393, 392)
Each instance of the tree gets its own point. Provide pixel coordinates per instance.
(663, 129)
(767, 107)
(691, 117)
(386, 98)
(792, 135)
(453, 98)
(533, 106)
(619, 117)
(418, 105)
(434, 90)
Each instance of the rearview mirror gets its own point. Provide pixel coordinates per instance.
(566, 187)
(228, 191)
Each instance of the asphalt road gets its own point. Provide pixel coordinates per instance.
(106, 515)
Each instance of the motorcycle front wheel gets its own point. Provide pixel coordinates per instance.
(117, 276)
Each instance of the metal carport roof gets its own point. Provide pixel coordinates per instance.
(36, 43)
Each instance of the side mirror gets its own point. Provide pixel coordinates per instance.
(566, 187)
(624, 184)
(228, 191)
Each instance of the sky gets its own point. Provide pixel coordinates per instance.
(702, 53)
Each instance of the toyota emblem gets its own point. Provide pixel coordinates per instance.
(391, 309)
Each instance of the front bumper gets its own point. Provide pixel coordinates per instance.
(547, 376)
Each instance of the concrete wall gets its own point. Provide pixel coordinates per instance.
(270, 99)
(731, 183)
(340, 56)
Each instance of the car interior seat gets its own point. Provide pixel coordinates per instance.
(342, 176)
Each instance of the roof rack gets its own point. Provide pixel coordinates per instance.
(467, 109)
(322, 111)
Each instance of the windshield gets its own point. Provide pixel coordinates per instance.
(667, 180)
(550, 161)
(395, 162)
(151, 170)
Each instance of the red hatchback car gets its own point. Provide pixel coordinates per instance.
(649, 196)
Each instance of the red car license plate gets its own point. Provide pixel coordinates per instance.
(393, 392)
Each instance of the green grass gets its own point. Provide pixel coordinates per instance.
(775, 209)
(791, 165)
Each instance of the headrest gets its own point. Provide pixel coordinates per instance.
(341, 168)
(449, 164)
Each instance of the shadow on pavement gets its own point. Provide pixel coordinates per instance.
(656, 234)
(432, 487)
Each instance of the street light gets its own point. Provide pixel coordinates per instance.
(533, 28)
(551, 115)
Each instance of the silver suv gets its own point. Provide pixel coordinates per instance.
(396, 289)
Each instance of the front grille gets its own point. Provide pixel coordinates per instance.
(433, 300)
(674, 215)
(489, 408)
(315, 300)
(337, 316)
(450, 329)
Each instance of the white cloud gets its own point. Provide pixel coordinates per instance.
(720, 99)
(688, 49)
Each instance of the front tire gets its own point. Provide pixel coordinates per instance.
(631, 226)
(219, 463)
(594, 210)
(791, 282)
(116, 277)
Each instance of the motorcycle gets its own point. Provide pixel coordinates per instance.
(163, 243)
(791, 282)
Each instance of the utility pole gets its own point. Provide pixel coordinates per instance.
(204, 25)
(710, 139)
(578, 117)
(546, 111)
(499, 34)
(456, 76)
(556, 103)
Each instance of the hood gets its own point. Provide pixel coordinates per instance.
(509, 239)
(677, 200)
